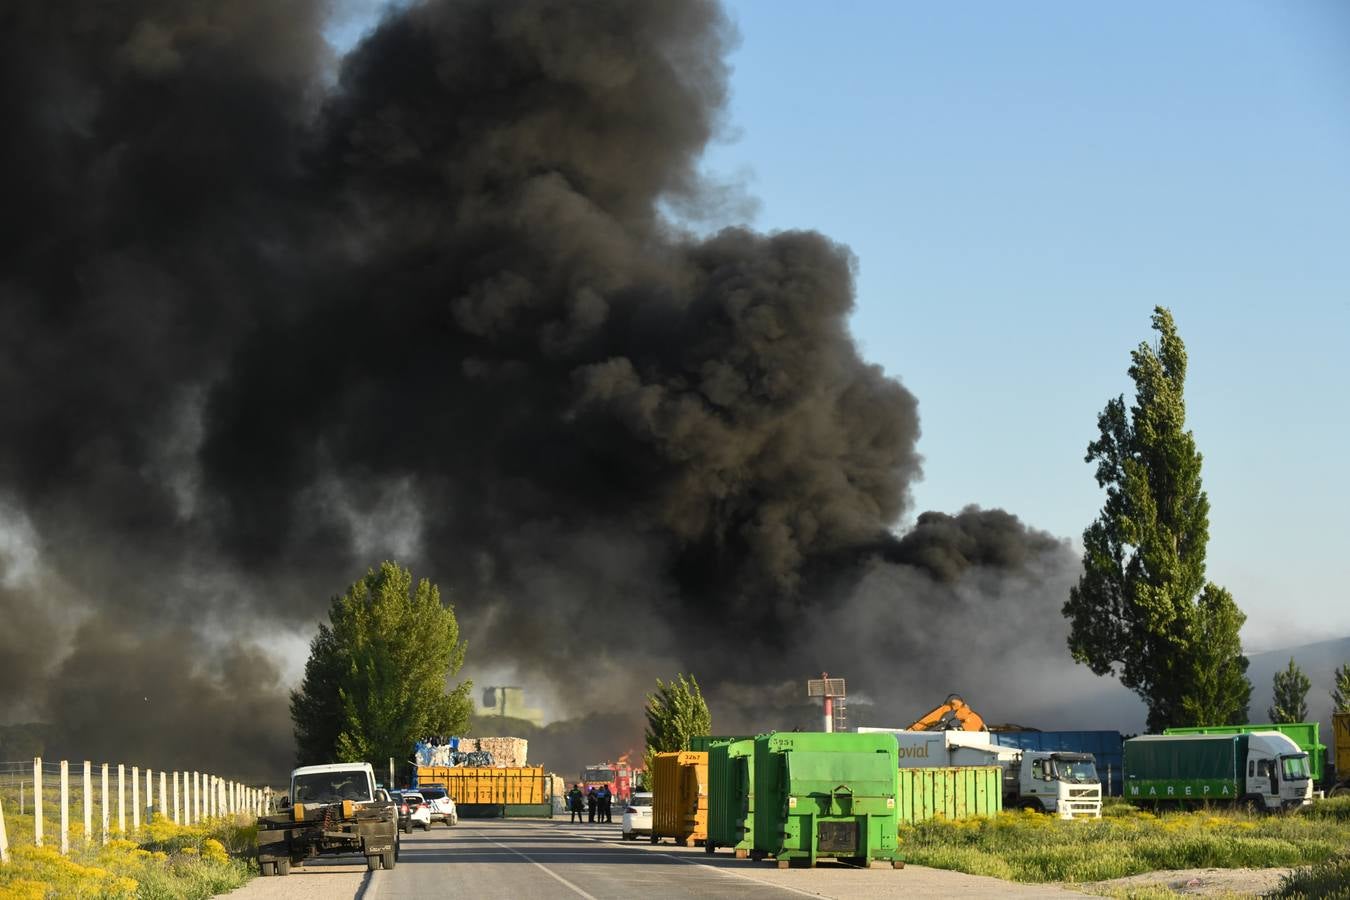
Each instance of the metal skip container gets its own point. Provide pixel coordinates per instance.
(680, 797)
(826, 795)
(731, 797)
(951, 792)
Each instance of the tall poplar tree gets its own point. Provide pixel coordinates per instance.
(1291, 695)
(1142, 609)
(376, 678)
(1340, 689)
(675, 713)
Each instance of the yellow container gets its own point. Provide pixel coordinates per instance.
(680, 798)
(471, 785)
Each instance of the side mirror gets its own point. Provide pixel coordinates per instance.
(284, 803)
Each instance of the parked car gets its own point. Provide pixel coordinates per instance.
(442, 806)
(414, 810)
(637, 816)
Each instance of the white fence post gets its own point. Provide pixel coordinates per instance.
(37, 801)
(149, 797)
(121, 800)
(65, 808)
(4, 838)
(164, 794)
(104, 805)
(136, 799)
(196, 797)
(175, 799)
(88, 802)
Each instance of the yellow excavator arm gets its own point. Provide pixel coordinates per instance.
(952, 715)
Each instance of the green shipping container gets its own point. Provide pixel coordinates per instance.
(825, 795)
(953, 792)
(1185, 767)
(731, 797)
(1306, 734)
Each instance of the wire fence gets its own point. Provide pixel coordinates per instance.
(45, 794)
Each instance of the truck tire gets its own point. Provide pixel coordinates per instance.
(373, 862)
(283, 867)
(1033, 805)
(389, 858)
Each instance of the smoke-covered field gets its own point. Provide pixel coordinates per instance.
(268, 316)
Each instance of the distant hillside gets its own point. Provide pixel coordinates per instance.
(1317, 660)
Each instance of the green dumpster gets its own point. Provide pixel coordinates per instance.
(955, 792)
(821, 795)
(731, 797)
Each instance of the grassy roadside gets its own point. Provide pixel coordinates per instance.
(1030, 847)
(163, 860)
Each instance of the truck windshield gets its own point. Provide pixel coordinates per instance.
(330, 787)
(1076, 771)
(1295, 767)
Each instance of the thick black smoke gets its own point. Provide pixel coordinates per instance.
(260, 328)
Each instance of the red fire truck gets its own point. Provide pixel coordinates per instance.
(620, 776)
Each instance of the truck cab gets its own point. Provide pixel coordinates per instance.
(1057, 782)
(1277, 771)
(1061, 783)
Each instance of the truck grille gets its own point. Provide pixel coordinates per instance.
(1083, 792)
(837, 837)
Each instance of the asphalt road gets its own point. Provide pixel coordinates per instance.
(509, 859)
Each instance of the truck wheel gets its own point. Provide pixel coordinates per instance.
(389, 858)
(283, 867)
(1032, 805)
(373, 862)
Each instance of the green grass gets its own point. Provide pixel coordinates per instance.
(1030, 847)
(162, 860)
(1329, 879)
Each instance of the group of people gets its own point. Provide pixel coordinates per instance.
(597, 802)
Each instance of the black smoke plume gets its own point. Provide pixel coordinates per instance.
(267, 317)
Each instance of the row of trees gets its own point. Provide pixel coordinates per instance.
(1291, 693)
(1143, 610)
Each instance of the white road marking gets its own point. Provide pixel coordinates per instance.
(678, 858)
(543, 868)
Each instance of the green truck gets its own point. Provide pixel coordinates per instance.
(1262, 770)
(1305, 734)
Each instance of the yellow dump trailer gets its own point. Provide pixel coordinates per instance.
(680, 798)
(491, 792)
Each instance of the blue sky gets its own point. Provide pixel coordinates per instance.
(1022, 183)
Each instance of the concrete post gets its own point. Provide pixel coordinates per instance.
(37, 801)
(103, 807)
(4, 838)
(88, 803)
(65, 808)
(175, 798)
(121, 800)
(136, 799)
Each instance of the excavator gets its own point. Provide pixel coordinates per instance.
(952, 715)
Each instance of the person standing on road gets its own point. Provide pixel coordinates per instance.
(592, 801)
(605, 799)
(574, 802)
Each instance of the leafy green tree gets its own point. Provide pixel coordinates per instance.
(1340, 692)
(675, 713)
(376, 678)
(1291, 695)
(1142, 609)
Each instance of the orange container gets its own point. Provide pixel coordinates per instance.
(680, 797)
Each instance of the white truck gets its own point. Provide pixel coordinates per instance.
(1064, 784)
(330, 810)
